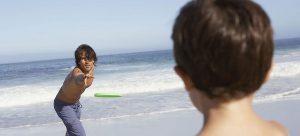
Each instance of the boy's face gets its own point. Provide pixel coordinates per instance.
(85, 64)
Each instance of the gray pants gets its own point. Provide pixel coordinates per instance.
(70, 115)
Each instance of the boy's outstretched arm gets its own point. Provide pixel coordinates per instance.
(89, 75)
(81, 78)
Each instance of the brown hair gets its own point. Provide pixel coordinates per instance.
(89, 52)
(225, 46)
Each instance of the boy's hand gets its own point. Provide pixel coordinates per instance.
(85, 77)
(92, 69)
(88, 76)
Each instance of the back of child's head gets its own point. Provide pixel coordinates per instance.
(86, 50)
(224, 46)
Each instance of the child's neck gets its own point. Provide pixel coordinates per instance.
(242, 105)
(237, 111)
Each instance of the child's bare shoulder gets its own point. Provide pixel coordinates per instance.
(76, 71)
(281, 130)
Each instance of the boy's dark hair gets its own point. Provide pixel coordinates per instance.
(225, 46)
(89, 53)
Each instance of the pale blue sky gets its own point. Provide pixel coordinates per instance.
(48, 29)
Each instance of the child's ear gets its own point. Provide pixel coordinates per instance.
(185, 78)
(269, 72)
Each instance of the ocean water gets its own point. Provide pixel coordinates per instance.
(146, 80)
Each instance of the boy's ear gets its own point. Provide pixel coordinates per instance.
(269, 72)
(185, 78)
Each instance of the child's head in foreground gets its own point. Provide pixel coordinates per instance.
(225, 47)
(84, 57)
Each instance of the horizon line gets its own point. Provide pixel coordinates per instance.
(109, 54)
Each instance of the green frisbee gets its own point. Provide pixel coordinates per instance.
(107, 95)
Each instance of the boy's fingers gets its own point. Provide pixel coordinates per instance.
(89, 76)
(85, 81)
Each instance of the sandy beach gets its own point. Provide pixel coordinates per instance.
(180, 122)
